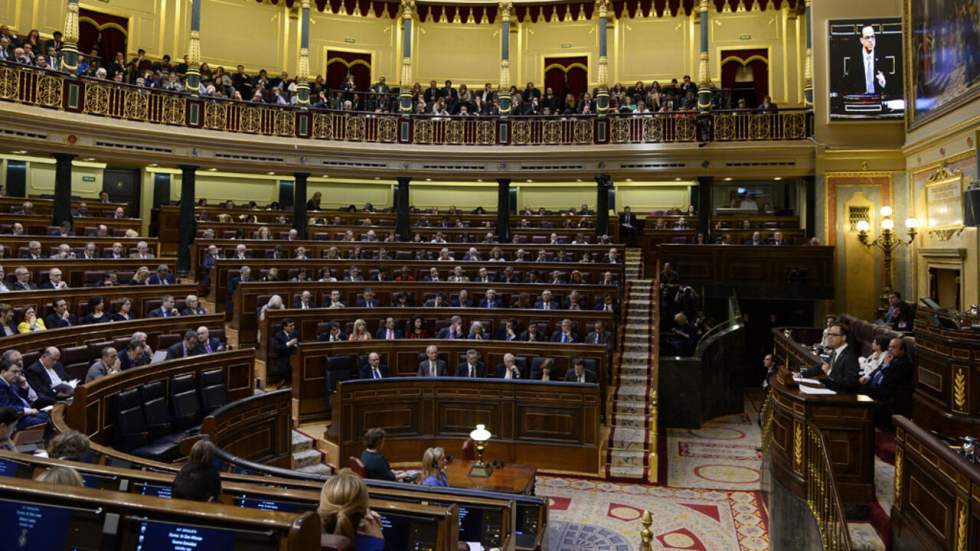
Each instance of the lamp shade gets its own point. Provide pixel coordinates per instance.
(888, 224)
(863, 226)
(912, 223)
(886, 211)
(480, 434)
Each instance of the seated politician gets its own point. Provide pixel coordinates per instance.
(471, 367)
(188, 346)
(432, 366)
(454, 331)
(578, 373)
(842, 370)
(346, 517)
(564, 334)
(49, 379)
(508, 369)
(374, 369)
(16, 393)
(891, 384)
(376, 465)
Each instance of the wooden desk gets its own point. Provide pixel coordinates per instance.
(937, 493)
(550, 425)
(511, 479)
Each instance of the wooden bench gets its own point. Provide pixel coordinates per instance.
(311, 385)
(45, 205)
(224, 270)
(13, 245)
(37, 224)
(84, 273)
(251, 296)
(144, 297)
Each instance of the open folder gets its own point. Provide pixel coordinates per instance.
(816, 391)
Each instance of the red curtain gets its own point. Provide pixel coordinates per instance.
(567, 75)
(757, 60)
(339, 64)
(105, 32)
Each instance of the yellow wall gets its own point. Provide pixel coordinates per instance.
(40, 176)
(341, 194)
(266, 36)
(643, 197)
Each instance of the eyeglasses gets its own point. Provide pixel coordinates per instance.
(835, 334)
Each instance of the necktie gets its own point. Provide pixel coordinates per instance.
(597, 338)
(377, 374)
(207, 347)
(564, 338)
(389, 336)
(833, 358)
(432, 369)
(869, 75)
(471, 372)
(581, 378)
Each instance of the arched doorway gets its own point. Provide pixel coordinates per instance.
(566, 75)
(106, 33)
(340, 64)
(746, 74)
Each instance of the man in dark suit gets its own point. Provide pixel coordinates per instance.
(546, 302)
(185, 348)
(490, 300)
(166, 309)
(388, 332)
(533, 335)
(16, 393)
(432, 366)
(599, 335)
(49, 379)
(368, 300)
(284, 342)
(60, 316)
(578, 373)
(332, 334)
(508, 369)
(374, 369)
(507, 331)
(162, 276)
(842, 369)
(133, 356)
(900, 314)
(865, 71)
(245, 275)
(564, 334)
(304, 301)
(33, 252)
(454, 331)
(117, 252)
(472, 367)
(892, 384)
(509, 276)
(627, 227)
(462, 300)
(438, 301)
(23, 281)
(206, 343)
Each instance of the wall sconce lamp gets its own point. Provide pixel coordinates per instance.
(888, 241)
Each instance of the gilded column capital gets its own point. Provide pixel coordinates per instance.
(71, 22)
(602, 7)
(703, 6)
(408, 8)
(304, 5)
(807, 3)
(506, 8)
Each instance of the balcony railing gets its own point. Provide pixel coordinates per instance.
(55, 90)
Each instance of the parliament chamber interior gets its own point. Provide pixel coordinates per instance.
(557, 275)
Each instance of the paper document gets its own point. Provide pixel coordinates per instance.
(804, 380)
(816, 391)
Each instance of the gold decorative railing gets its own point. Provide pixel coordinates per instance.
(765, 417)
(821, 494)
(56, 90)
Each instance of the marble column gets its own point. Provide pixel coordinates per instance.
(193, 79)
(602, 95)
(69, 50)
(505, 10)
(303, 65)
(405, 93)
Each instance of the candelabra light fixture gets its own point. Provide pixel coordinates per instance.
(888, 241)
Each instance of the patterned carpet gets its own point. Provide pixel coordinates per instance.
(711, 502)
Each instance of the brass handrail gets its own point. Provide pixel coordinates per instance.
(104, 98)
(822, 496)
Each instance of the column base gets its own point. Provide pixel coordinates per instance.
(704, 98)
(405, 102)
(602, 101)
(504, 104)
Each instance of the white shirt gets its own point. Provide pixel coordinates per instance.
(869, 71)
(53, 375)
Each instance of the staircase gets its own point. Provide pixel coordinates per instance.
(306, 458)
(632, 438)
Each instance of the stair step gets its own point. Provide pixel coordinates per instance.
(318, 468)
(864, 537)
(631, 421)
(631, 408)
(301, 442)
(633, 380)
(306, 458)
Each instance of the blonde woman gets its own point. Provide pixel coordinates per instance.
(263, 234)
(360, 331)
(31, 323)
(434, 463)
(344, 511)
(61, 476)
(275, 303)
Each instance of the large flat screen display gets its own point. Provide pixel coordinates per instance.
(865, 57)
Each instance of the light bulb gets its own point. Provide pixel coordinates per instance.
(888, 224)
(886, 211)
(863, 226)
(912, 223)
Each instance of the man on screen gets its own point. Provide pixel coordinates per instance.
(864, 73)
